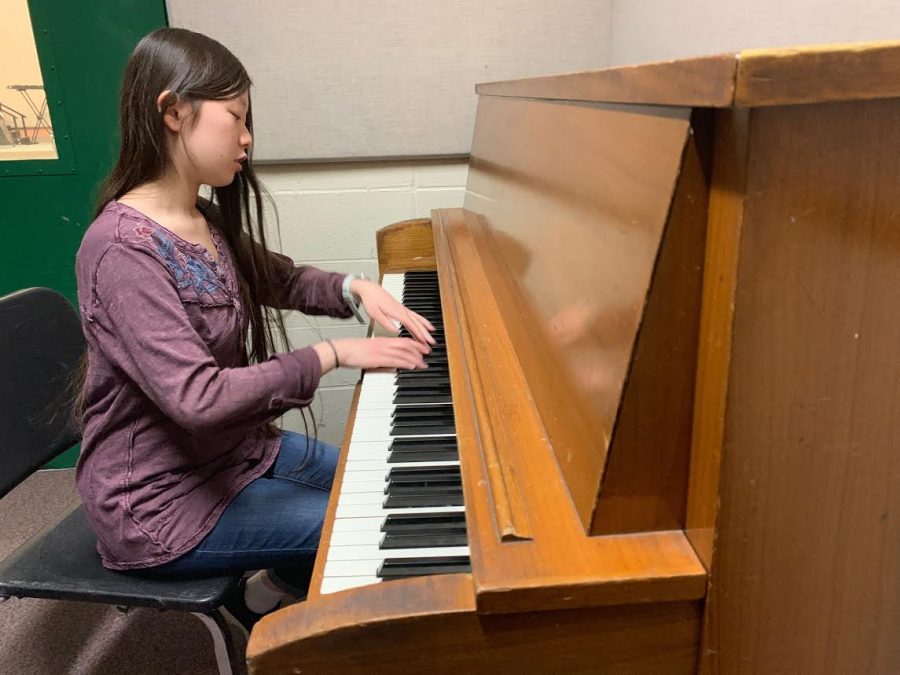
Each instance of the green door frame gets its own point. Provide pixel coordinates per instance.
(46, 205)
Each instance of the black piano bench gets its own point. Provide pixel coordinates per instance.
(41, 345)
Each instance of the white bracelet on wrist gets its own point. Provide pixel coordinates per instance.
(349, 298)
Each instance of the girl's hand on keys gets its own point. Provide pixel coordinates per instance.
(381, 352)
(388, 312)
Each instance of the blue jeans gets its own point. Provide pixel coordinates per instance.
(274, 523)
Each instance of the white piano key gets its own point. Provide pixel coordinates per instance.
(350, 568)
(368, 450)
(357, 524)
(355, 487)
(374, 378)
(382, 411)
(362, 498)
(393, 278)
(369, 537)
(364, 476)
(336, 584)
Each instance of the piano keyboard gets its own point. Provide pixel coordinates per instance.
(400, 509)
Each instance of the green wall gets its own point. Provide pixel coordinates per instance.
(46, 205)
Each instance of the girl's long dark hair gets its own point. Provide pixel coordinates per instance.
(194, 68)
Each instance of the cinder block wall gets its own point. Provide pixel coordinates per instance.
(327, 216)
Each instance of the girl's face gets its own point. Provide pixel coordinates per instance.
(214, 143)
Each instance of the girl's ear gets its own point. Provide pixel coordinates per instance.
(173, 110)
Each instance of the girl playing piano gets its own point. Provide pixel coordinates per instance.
(181, 470)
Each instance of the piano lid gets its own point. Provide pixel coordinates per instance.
(751, 78)
(575, 199)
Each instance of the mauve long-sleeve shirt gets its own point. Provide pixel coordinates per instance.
(173, 413)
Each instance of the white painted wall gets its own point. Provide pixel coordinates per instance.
(328, 216)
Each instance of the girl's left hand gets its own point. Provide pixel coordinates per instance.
(381, 306)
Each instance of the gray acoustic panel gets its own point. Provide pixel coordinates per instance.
(659, 30)
(350, 79)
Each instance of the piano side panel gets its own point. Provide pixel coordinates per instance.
(646, 478)
(575, 199)
(407, 245)
(806, 565)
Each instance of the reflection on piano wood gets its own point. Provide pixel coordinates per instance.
(660, 433)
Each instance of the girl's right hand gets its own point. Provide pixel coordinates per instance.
(381, 352)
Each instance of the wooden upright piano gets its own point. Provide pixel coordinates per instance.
(664, 433)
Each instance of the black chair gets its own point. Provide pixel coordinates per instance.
(41, 344)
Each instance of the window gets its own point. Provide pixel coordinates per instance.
(26, 131)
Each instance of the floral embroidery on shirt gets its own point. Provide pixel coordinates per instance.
(187, 270)
(143, 231)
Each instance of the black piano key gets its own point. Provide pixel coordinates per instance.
(416, 376)
(424, 388)
(426, 383)
(409, 412)
(424, 424)
(409, 375)
(411, 391)
(435, 455)
(430, 499)
(413, 474)
(410, 396)
(401, 421)
(398, 568)
(437, 487)
(423, 450)
(423, 444)
(401, 399)
(423, 431)
(421, 473)
(429, 409)
(429, 540)
(438, 455)
(434, 485)
(416, 522)
(437, 384)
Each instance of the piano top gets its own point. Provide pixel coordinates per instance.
(750, 78)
